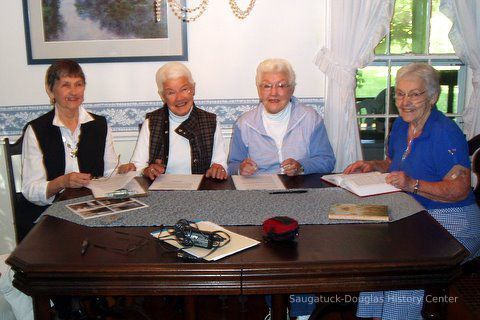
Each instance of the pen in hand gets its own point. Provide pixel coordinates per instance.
(84, 247)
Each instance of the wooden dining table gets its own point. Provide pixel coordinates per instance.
(411, 253)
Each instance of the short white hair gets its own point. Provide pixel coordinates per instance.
(172, 70)
(422, 70)
(275, 66)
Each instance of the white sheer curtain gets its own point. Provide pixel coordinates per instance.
(355, 28)
(465, 38)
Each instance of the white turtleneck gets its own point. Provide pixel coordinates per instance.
(276, 125)
(178, 147)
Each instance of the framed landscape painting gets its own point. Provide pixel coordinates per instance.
(101, 31)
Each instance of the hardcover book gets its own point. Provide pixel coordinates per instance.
(362, 184)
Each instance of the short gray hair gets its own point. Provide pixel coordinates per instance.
(172, 70)
(424, 71)
(275, 66)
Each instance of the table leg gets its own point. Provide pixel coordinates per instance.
(41, 307)
(435, 304)
(189, 307)
(279, 306)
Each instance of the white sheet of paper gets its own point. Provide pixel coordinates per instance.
(100, 187)
(258, 182)
(176, 182)
(237, 242)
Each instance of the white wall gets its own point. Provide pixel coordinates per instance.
(223, 53)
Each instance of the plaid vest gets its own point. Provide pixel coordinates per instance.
(198, 129)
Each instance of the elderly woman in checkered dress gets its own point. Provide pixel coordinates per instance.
(427, 156)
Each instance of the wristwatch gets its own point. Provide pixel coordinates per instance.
(415, 187)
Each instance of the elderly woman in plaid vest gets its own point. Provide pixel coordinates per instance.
(178, 138)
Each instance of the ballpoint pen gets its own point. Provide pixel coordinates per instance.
(288, 191)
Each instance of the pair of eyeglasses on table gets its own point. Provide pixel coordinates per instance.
(111, 173)
(132, 241)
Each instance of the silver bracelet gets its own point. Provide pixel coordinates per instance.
(416, 186)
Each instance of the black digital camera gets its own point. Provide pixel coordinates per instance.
(189, 235)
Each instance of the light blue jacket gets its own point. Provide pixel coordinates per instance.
(305, 141)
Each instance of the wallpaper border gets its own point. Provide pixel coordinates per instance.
(126, 116)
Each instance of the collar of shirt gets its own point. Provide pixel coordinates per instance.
(280, 116)
(178, 119)
(83, 117)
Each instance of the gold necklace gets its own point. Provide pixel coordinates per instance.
(72, 148)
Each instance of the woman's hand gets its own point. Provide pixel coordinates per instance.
(127, 167)
(69, 180)
(359, 166)
(248, 167)
(154, 170)
(216, 171)
(362, 166)
(76, 180)
(400, 180)
(291, 167)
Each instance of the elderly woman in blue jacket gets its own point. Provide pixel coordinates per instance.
(280, 135)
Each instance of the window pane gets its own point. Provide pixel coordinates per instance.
(409, 27)
(448, 100)
(440, 26)
(381, 48)
(371, 93)
(372, 137)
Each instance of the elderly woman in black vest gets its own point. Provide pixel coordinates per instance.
(67, 146)
(63, 148)
(178, 138)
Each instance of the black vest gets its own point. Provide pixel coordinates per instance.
(198, 129)
(91, 145)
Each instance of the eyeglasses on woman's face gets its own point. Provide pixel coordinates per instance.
(178, 95)
(185, 91)
(269, 86)
(413, 96)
